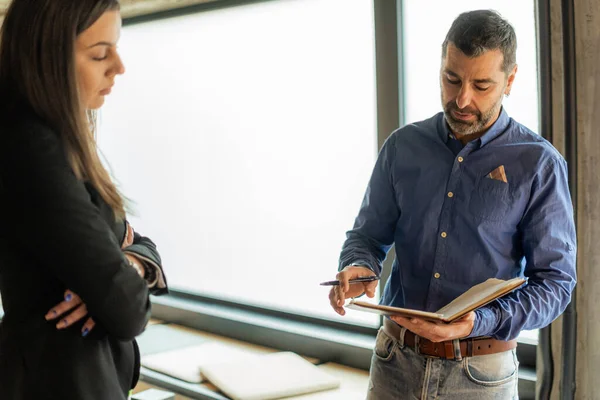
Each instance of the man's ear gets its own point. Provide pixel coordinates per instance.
(510, 80)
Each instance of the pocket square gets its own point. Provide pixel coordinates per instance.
(498, 174)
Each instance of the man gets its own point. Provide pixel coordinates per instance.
(466, 195)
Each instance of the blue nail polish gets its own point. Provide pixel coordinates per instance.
(68, 297)
(85, 332)
(54, 312)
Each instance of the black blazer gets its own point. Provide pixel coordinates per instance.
(57, 233)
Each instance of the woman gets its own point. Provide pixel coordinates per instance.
(71, 269)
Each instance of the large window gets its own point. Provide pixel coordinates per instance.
(246, 137)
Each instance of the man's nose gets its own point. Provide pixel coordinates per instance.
(464, 97)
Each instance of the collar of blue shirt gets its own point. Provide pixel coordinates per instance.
(496, 129)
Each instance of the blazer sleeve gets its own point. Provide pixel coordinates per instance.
(145, 250)
(55, 223)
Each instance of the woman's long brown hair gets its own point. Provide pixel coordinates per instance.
(37, 68)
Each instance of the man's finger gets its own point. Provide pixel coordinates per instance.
(333, 300)
(428, 330)
(79, 313)
(370, 288)
(400, 320)
(466, 318)
(340, 296)
(412, 324)
(343, 278)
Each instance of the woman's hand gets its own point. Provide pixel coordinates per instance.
(71, 310)
(128, 240)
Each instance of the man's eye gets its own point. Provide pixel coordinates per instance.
(99, 58)
(452, 82)
(481, 89)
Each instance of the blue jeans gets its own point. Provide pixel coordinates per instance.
(398, 372)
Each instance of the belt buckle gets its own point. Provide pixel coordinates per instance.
(418, 349)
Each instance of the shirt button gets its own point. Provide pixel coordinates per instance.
(436, 276)
(460, 159)
(444, 234)
(450, 194)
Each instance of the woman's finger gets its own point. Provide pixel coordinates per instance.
(128, 241)
(79, 313)
(71, 300)
(87, 327)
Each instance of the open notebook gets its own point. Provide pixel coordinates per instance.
(269, 376)
(478, 296)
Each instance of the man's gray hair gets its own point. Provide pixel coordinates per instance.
(475, 32)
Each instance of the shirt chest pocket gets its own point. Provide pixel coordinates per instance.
(491, 199)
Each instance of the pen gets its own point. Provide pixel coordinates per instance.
(357, 280)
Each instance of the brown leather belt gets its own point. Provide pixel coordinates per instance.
(468, 347)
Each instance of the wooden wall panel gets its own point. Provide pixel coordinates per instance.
(587, 47)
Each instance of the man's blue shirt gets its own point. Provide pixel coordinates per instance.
(455, 223)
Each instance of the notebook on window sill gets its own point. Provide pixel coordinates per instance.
(269, 376)
(187, 363)
(478, 296)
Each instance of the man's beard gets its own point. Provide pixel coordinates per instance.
(465, 128)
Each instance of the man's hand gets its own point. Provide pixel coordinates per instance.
(76, 309)
(339, 294)
(438, 332)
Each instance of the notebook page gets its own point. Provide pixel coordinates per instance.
(479, 295)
